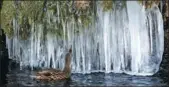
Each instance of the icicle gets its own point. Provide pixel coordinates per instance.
(127, 39)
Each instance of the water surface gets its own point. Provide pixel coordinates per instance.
(24, 78)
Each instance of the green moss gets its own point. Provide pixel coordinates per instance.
(34, 14)
(85, 20)
(24, 31)
(7, 14)
(107, 5)
(84, 16)
(29, 12)
(65, 15)
(31, 9)
(148, 4)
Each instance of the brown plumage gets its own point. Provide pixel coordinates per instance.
(53, 74)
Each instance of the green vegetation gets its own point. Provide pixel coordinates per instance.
(107, 5)
(53, 19)
(148, 3)
(7, 14)
(29, 11)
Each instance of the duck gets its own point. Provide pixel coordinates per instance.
(54, 74)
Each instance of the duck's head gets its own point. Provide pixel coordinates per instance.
(70, 50)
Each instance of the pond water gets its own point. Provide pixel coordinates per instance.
(24, 78)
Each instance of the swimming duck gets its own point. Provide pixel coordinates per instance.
(53, 74)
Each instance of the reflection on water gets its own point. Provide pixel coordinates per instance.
(24, 78)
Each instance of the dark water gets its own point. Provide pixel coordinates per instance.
(11, 76)
(24, 78)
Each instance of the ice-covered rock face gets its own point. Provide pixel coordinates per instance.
(128, 39)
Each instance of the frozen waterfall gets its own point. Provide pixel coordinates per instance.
(127, 39)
